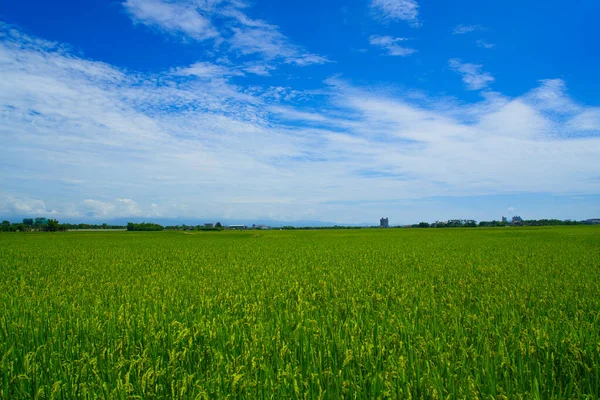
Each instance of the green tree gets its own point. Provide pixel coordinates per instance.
(52, 225)
(5, 227)
(144, 226)
(218, 225)
(21, 227)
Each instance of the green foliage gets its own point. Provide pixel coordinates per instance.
(40, 222)
(84, 226)
(5, 226)
(421, 225)
(144, 226)
(191, 228)
(494, 223)
(370, 313)
(52, 226)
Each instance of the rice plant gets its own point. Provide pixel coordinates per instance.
(424, 314)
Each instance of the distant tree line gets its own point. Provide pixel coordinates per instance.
(451, 223)
(144, 226)
(92, 226)
(30, 224)
(184, 227)
(469, 223)
(311, 228)
(52, 225)
(49, 225)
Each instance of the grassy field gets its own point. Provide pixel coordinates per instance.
(420, 313)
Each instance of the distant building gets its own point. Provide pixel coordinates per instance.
(516, 219)
(505, 220)
(260, 226)
(209, 225)
(237, 227)
(593, 221)
(384, 223)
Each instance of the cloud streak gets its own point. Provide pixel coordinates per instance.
(482, 43)
(472, 75)
(397, 10)
(391, 46)
(173, 18)
(463, 29)
(238, 34)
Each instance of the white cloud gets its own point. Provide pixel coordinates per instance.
(462, 29)
(200, 146)
(306, 59)
(551, 96)
(207, 70)
(259, 69)
(392, 10)
(99, 208)
(472, 75)
(118, 208)
(516, 119)
(172, 17)
(23, 205)
(587, 121)
(390, 44)
(236, 32)
(266, 41)
(482, 43)
(128, 207)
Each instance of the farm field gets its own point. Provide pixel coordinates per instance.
(503, 313)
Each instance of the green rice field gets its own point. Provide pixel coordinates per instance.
(500, 313)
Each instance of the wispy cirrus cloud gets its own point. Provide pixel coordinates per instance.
(462, 29)
(203, 69)
(391, 45)
(587, 121)
(472, 74)
(267, 42)
(237, 32)
(180, 143)
(185, 18)
(397, 10)
(482, 43)
(261, 69)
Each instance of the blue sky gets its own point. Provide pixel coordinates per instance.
(337, 111)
